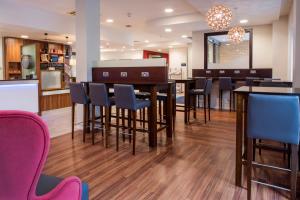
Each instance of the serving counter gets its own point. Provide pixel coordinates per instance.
(19, 95)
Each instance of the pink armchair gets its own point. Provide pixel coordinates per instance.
(24, 145)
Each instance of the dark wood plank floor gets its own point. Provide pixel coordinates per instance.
(198, 164)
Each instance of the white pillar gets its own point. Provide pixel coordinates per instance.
(87, 42)
(87, 37)
(296, 43)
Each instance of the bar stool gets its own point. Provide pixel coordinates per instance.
(99, 97)
(200, 84)
(275, 118)
(225, 84)
(125, 99)
(79, 96)
(206, 93)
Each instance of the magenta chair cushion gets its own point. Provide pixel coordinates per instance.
(24, 145)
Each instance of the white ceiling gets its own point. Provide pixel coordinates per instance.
(149, 20)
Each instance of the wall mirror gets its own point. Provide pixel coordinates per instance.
(221, 53)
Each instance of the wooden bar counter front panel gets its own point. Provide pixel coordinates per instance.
(129, 75)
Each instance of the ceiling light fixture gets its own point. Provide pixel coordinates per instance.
(244, 21)
(219, 17)
(168, 30)
(184, 36)
(110, 21)
(169, 10)
(24, 36)
(236, 34)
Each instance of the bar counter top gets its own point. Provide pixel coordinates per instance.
(21, 81)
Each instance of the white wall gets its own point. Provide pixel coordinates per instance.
(294, 43)
(280, 49)
(117, 55)
(1, 59)
(178, 56)
(262, 46)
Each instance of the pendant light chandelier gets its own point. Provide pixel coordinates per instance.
(219, 17)
(236, 34)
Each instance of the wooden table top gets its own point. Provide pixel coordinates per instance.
(268, 90)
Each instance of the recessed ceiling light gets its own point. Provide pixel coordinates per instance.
(109, 20)
(146, 41)
(184, 36)
(168, 30)
(169, 10)
(24, 36)
(244, 21)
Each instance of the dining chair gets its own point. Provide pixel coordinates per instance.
(274, 118)
(206, 93)
(98, 94)
(79, 96)
(225, 84)
(125, 99)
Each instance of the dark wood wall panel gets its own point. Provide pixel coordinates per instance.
(235, 73)
(137, 75)
(56, 101)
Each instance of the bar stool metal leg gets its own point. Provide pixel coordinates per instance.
(93, 124)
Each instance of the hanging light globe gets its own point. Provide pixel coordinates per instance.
(219, 17)
(236, 34)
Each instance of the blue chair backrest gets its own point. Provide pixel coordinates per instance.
(125, 96)
(98, 94)
(78, 93)
(225, 83)
(200, 82)
(208, 87)
(274, 117)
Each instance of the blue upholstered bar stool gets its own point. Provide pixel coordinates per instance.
(125, 99)
(225, 84)
(206, 93)
(275, 118)
(99, 97)
(79, 96)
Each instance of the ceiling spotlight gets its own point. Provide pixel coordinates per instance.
(184, 36)
(168, 30)
(146, 41)
(169, 10)
(244, 21)
(109, 20)
(24, 36)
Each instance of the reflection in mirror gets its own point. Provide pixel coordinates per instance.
(224, 54)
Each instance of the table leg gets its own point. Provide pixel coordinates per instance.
(169, 114)
(239, 141)
(152, 117)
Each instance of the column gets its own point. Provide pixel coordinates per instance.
(87, 42)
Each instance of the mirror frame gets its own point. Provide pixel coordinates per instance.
(206, 35)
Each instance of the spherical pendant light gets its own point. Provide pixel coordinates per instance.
(219, 17)
(236, 34)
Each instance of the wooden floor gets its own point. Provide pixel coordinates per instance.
(198, 164)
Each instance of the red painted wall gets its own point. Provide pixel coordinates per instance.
(146, 55)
